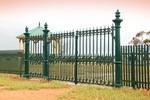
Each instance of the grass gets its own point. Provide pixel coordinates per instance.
(80, 92)
(96, 93)
(9, 83)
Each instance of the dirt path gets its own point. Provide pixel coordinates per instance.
(42, 94)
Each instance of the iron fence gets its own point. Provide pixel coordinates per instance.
(135, 66)
(88, 56)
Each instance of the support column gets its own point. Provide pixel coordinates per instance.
(27, 40)
(118, 70)
(45, 51)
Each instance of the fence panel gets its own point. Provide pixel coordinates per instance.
(62, 56)
(36, 56)
(89, 56)
(135, 66)
(95, 56)
(94, 59)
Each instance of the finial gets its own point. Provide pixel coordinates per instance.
(45, 26)
(117, 20)
(117, 14)
(26, 29)
(39, 24)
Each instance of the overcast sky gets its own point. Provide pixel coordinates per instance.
(62, 15)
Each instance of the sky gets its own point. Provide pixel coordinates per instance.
(63, 15)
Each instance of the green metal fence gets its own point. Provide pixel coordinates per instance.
(135, 66)
(11, 61)
(81, 53)
(83, 56)
(88, 55)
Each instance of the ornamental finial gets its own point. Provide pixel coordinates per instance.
(26, 29)
(117, 14)
(45, 26)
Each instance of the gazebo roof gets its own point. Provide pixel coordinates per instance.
(38, 31)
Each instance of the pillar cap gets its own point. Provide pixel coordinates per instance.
(45, 26)
(117, 20)
(26, 32)
(117, 14)
(26, 29)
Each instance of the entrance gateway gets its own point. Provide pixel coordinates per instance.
(85, 56)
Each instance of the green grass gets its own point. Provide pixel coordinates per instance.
(9, 83)
(81, 92)
(96, 93)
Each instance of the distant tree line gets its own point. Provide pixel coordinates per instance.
(141, 38)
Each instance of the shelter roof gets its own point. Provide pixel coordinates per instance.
(38, 31)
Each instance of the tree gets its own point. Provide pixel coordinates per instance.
(141, 38)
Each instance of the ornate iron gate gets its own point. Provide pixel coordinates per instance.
(88, 56)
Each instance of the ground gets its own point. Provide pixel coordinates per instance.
(42, 94)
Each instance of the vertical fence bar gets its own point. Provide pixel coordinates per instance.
(148, 66)
(51, 57)
(129, 66)
(126, 53)
(86, 32)
(45, 51)
(104, 55)
(122, 59)
(27, 40)
(117, 22)
(70, 34)
(67, 55)
(93, 76)
(101, 65)
(112, 29)
(133, 68)
(76, 58)
(97, 78)
(108, 69)
(144, 66)
(83, 55)
(73, 38)
(60, 59)
(136, 72)
(63, 46)
(139, 66)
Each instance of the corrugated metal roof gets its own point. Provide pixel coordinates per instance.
(38, 31)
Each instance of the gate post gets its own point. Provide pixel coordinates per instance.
(118, 70)
(45, 51)
(27, 40)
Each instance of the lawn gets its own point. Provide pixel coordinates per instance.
(10, 82)
(92, 92)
